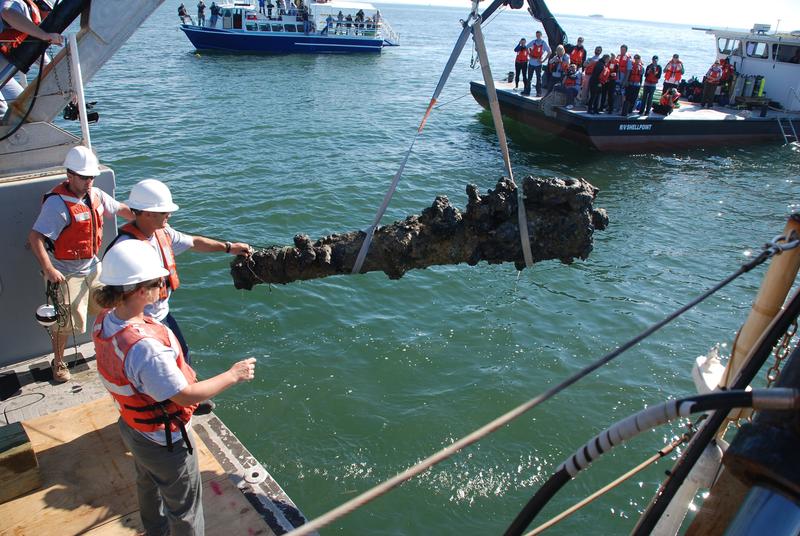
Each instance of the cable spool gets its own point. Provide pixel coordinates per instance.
(46, 315)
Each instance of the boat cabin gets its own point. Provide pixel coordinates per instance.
(767, 64)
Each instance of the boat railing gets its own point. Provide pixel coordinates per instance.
(388, 33)
(367, 29)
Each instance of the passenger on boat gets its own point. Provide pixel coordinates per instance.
(18, 19)
(151, 203)
(726, 83)
(214, 9)
(667, 102)
(281, 8)
(537, 50)
(577, 56)
(673, 72)
(583, 96)
(711, 82)
(262, 7)
(155, 390)
(623, 64)
(557, 65)
(184, 15)
(201, 13)
(635, 75)
(270, 7)
(571, 84)
(339, 20)
(652, 74)
(521, 64)
(328, 24)
(598, 78)
(610, 85)
(65, 240)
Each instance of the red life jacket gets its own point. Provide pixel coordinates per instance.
(605, 75)
(727, 71)
(652, 74)
(167, 255)
(570, 80)
(613, 68)
(536, 52)
(576, 56)
(622, 62)
(636, 73)
(714, 75)
(138, 410)
(590, 67)
(673, 72)
(11, 38)
(522, 55)
(666, 101)
(82, 236)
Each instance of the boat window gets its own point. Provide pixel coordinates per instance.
(263, 27)
(300, 28)
(237, 19)
(251, 27)
(289, 27)
(786, 53)
(277, 27)
(227, 19)
(756, 49)
(728, 46)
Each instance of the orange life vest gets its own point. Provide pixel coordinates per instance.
(652, 74)
(666, 101)
(536, 52)
(138, 410)
(522, 55)
(673, 72)
(167, 255)
(590, 67)
(11, 38)
(571, 80)
(622, 62)
(605, 75)
(636, 73)
(576, 56)
(714, 75)
(82, 236)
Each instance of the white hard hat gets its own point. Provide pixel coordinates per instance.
(151, 195)
(82, 161)
(130, 262)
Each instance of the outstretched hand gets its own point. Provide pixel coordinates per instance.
(244, 371)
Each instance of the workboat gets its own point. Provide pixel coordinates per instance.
(762, 106)
(63, 466)
(338, 27)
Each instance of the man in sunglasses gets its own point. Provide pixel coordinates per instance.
(66, 238)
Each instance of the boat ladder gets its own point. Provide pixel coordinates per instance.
(787, 130)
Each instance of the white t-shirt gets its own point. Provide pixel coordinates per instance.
(151, 368)
(13, 5)
(53, 218)
(180, 243)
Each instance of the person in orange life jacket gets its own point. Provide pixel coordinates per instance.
(521, 64)
(589, 64)
(537, 51)
(156, 391)
(610, 85)
(652, 74)
(623, 64)
(711, 82)
(727, 76)
(577, 56)
(635, 75)
(18, 20)
(151, 203)
(673, 72)
(597, 80)
(65, 239)
(570, 84)
(667, 102)
(557, 65)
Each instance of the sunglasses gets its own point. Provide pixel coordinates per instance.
(83, 177)
(156, 283)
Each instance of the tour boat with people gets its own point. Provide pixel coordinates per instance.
(336, 27)
(762, 104)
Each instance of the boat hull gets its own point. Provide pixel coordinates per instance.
(278, 43)
(654, 133)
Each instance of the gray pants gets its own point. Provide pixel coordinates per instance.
(168, 486)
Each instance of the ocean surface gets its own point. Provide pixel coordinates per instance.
(360, 377)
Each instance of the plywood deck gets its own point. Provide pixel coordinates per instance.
(88, 481)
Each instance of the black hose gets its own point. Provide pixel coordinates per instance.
(720, 400)
(704, 436)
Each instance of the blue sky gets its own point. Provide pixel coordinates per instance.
(714, 13)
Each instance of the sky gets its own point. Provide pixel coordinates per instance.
(705, 13)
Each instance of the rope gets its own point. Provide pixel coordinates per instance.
(379, 490)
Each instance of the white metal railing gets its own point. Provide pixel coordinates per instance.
(388, 33)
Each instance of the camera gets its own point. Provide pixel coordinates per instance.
(71, 112)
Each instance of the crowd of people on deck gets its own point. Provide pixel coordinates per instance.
(609, 83)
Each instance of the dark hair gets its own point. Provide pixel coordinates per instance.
(110, 296)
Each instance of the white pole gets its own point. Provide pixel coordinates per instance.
(77, 83)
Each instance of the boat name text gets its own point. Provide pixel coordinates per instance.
(635, 127)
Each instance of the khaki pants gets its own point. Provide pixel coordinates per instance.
(77, 297)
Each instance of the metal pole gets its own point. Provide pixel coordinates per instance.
(77, 82)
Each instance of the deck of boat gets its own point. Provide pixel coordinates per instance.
(88, 477)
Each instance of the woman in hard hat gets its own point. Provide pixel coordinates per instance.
(141, 364)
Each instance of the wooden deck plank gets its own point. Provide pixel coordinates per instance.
(88, 482)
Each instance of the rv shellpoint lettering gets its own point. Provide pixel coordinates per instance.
(635, 127)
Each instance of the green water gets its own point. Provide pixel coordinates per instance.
(360, 377)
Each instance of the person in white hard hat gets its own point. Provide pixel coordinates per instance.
(156, 391)
(70, 228)
(151, 203)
